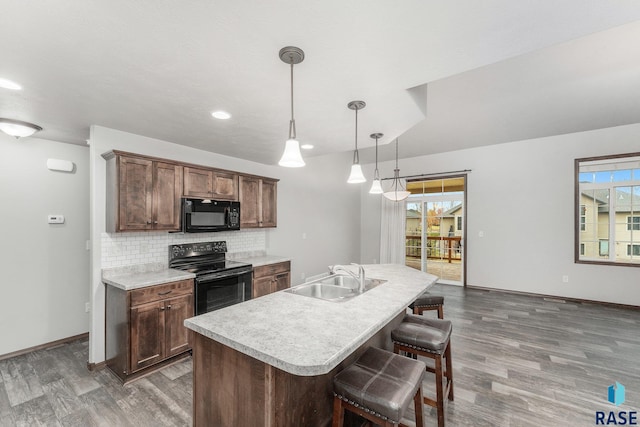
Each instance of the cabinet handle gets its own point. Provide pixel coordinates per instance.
(165, 293)
(155, 222)
(169, 307)
(282, 275)
(161, 308)
(149, 222)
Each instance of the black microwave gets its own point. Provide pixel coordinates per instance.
(204, 216)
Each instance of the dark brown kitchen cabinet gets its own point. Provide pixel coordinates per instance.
(210, 184)
(142, 194)
(258, 202)
(144, 327)
(271, 278)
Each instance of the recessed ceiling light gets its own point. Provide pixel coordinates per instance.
(8, 84)
(222, 115)
(306, 146)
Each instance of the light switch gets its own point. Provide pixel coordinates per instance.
(56, 219)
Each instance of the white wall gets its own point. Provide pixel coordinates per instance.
(521, 195)
(314, 200)
(45, 267)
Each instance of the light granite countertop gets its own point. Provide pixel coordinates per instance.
(143, 275)
(261, 260)
(307, 336)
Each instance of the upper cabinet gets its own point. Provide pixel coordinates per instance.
(142, 194)
(210, 184)
(258, 202)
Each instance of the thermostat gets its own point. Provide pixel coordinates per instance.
(56, 219)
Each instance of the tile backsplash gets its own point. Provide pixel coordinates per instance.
(121, 249)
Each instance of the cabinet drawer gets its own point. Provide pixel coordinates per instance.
(271, 269)
(158, 292)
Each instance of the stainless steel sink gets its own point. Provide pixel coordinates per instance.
(334, 287)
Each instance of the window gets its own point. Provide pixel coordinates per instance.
(607, 210)
(459, 224)
(636, 250)
(604, 248)
(633, 223)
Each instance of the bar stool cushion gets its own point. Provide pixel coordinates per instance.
(443, 325)
(380, 381)
(431, 335)
(427, 300)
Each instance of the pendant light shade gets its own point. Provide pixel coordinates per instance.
(18, 128)
(396, 192)
(356, 176)
(291, 158)
(376, 187)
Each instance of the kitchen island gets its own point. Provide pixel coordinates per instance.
(270, 361)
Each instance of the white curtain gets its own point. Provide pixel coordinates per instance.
(392, 231)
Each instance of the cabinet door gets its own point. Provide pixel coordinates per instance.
(282, 281)
(261, 286)
(250, 205)
(147, 334)
(135, 194)
(269, 204)
(176, 336)
(198, 182)
(167, 190)
(225, 186)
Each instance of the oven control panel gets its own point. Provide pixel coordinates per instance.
(195, 249)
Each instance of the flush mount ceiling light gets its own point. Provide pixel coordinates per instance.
(17, 128)
(356, 176)
(291, 158)
(222, 115)
(8, 84)
(376, 188)
(397, 192)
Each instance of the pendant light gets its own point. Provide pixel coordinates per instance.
(356, 176)
(397, 192)
(376, 188)
(291, 158)
(18, 128)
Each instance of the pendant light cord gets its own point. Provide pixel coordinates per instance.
(356, 157)
(292, 123)
(376, 175)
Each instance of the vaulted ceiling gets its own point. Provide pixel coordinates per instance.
(440, 75)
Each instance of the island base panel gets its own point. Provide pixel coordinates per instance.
(233, 389)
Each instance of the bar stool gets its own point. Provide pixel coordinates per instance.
(419, 336)
(426, 301)
(379, 387)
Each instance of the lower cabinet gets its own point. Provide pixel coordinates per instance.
(271, 278)
(144, 327)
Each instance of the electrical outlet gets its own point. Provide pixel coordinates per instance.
(565, 279)
(87, 307)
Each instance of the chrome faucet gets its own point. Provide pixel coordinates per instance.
(359, 277)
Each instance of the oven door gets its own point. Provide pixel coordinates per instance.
(219, 290)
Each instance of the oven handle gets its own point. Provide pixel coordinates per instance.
(210, 277)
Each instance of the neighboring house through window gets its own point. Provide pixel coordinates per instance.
(608, 209)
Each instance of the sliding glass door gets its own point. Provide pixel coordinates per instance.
(435, 228)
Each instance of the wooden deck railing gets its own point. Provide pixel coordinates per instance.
(437, 247)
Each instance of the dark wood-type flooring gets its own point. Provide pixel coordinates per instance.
(518, 361)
